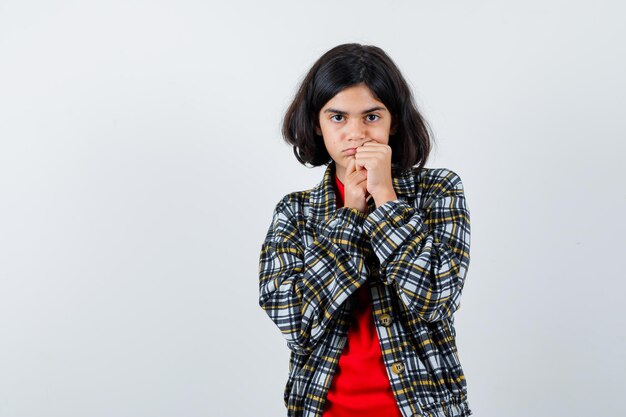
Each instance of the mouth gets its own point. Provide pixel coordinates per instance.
(352, 151)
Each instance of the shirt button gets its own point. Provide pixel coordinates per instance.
(397, 368)
(385, 320)
(417, 415)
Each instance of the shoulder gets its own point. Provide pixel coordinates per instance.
(436, 181)
(289, 217)
(295, 200)
(293, 206)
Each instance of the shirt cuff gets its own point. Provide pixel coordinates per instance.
(390, 225)
(343, 226)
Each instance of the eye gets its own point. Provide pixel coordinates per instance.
(373, 115)
(336, 115)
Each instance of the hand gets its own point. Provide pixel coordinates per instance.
(375, 158)
(355, 191)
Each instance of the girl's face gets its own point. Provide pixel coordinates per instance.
(348, 120)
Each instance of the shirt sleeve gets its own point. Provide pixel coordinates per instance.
(301, 286)
(424, 247)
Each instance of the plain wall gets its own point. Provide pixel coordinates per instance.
(141, 159)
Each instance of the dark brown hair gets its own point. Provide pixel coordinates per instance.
(344, 66)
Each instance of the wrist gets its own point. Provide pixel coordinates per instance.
(385, 196)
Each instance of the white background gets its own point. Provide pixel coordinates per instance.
(141, 159)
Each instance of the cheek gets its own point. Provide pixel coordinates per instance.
(381, 136)
(331, 143)
(330, 138)
(334, 146)
(384, 132)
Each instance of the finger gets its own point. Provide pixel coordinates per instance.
(350, 168)
(362, 181)
(360, 163)
(368, 149)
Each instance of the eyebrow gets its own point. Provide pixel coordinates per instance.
(344, 112)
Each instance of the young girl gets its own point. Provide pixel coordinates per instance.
(362, 273)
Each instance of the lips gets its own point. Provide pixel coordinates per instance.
(352, 151)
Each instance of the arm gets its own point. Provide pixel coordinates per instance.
(302, 286)
(424, 251)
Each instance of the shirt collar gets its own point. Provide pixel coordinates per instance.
(323, 200)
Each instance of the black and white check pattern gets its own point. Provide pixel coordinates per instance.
(412, 252)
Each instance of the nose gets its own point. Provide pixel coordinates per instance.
(355, 130)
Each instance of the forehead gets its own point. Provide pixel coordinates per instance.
(356, 95)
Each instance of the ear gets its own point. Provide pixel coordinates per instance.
(318, 131)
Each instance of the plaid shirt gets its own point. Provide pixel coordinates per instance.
(412, 252)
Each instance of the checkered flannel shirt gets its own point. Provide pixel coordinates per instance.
(412, 252)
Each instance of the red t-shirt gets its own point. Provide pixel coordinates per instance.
(360, 385)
